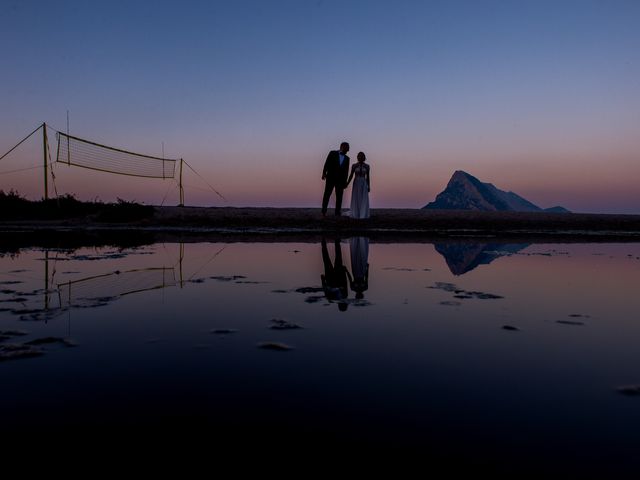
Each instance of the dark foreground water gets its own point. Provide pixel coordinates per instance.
(508, 356)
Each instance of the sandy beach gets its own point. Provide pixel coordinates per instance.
(400, 220)
(170, 223)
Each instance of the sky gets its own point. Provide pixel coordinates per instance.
(538, 97)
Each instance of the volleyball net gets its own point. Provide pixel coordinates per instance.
(94, 156)
(79, 152)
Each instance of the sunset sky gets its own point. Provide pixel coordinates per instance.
(538, 97)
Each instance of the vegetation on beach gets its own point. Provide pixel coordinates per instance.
(13, 206)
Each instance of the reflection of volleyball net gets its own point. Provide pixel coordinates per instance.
(106, 287)
(86, 154)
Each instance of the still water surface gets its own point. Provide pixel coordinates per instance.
(482, 352)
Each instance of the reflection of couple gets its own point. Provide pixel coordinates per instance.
(334, 279)
(335, 172)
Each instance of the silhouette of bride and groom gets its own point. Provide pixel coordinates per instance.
(334, 278)
(335, 173)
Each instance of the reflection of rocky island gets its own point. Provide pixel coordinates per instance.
(464, 257)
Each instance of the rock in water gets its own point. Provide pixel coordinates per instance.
(280, 324)
(631, 390)
(274, 346)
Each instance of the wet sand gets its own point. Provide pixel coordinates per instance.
(403, 220)
(201, 222)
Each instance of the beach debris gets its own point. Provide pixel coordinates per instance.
(309, 289)
(281, 324)
(27, 311)
(39, 315)
(629, 390)
(222, 278)
(400, 269)
(314, 298)
(548, 253)
(510, 328)
(51, 340)
(223, 331)
(105, 256)
(32, 348)
(463, 294)
(569, 322)
(197, 280)
(274, 346)
(483, 295)
(14, 300)
(447, 287)
(249, 282)
(9, 334)
(14, 333)
(451, 303)
(279, 291)
(360, 302)
(578, 315)
(12, 351)
(10, 282)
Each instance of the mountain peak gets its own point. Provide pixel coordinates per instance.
(466, 192)
(461, 175)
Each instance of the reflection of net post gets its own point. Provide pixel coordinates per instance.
(181, 258)
(181, 188)
(46, 278)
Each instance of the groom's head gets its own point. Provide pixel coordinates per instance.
(344, 147)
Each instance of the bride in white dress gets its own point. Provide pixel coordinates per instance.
(361, 187)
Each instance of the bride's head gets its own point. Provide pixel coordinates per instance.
(361, 157)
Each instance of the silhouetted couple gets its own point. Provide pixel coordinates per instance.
(335, 173)
(334, 279)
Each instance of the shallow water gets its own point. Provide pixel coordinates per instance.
(491, 354)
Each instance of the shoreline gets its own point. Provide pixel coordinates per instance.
(192, 224)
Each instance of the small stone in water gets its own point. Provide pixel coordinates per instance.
(280, 324)
(631, 390)
(223, 331)
(511, 328)
(274, 346)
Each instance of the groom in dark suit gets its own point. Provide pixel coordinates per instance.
(335, 173)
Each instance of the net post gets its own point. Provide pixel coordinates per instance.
(181, 204)
(68, 149)
(44, 150)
